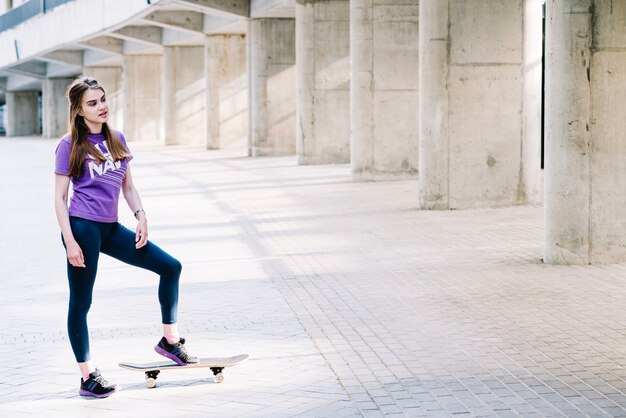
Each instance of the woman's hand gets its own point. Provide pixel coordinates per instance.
(134, 201)
(75, 254)
(141, 236)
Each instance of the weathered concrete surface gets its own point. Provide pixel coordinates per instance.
(471, 134)
(434, 189)
(111, 79)
(323, 79)
(531, 188)
(585, 123)
(227, 91)
(54, 107)
(183, 97)
(64, 25)
(272, 60)
(142, 87)
(22, 113)
(383, 88)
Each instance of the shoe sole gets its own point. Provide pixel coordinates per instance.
(84, 392)
(170, 356)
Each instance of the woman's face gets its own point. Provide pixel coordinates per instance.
(94, 106)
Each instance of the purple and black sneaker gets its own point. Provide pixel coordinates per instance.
(97, 386)
(176, 352)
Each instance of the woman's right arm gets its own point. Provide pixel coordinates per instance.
(74, 253)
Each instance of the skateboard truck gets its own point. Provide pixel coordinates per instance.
(151, 377)
(217, 374)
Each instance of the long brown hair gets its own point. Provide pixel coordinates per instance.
(78, 129)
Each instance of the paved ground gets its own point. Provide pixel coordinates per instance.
(349, 300)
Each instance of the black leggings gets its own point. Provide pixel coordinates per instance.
(119, 242)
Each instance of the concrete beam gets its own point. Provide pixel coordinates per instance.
(18, 82)
(98, 58)
(149, 35)
(107, 44)
(273, 8)
(34, 69)
(64, 57)
(60, 70)
(186, 21)
(173, 37)
(226, 8)
(139, 48)
(219, 25)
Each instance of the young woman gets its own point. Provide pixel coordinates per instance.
(94, 159)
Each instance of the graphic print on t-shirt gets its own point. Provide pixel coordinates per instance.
(109, 171)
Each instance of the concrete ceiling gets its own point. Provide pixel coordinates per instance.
(165, 23)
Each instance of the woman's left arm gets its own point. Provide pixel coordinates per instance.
(134, 202)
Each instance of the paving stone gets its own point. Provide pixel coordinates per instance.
(350, 301)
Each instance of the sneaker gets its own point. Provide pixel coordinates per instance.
(97, 386)
(176, 352)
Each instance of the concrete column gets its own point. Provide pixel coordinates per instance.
(585, 123)
(470, 90)
(184, 95)
(111, 79)
(434, 190)
(5, 6)
(54, 107)
(383, 88)
(272, 54)
(227, 91)
(22, 113)
(141, 84)
(532, 175)
(323, 80)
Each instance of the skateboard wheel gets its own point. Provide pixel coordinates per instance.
(219, 378)
(150, 382)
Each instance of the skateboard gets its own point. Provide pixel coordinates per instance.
(216, 364)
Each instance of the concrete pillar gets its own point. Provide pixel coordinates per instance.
(323, 80)
(111, 79)
(383, 88)
(532, 175)
(585, 124)
(54, 107)
(470, 88)
(5, 6)
(272, 60)
(227, 91)
(141, 84)
(184, 95)
(22, 113)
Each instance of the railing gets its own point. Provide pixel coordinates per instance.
(26, 11)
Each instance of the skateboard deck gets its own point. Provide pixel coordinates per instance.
(216, 364)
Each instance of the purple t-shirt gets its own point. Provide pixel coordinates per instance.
(97, 191)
